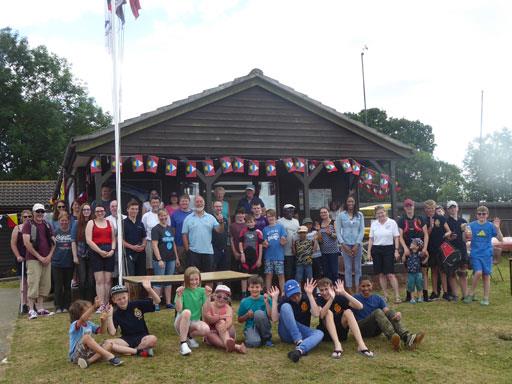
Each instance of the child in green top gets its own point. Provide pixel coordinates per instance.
(190, 299)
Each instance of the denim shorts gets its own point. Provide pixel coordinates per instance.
(274, 266)
(168, 269)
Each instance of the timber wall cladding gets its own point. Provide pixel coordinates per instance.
(255, 123)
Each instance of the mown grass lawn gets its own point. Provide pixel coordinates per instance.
(461, 346)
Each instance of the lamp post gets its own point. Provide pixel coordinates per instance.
(365, 48)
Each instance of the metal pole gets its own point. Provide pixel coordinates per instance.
(365, 48)
(481, 116)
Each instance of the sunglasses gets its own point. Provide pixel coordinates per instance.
(222, 297)
(27, 217)
(40, 211)
(61, 206)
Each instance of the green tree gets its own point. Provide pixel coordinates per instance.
(41, 107)
(487, 167)
(422, 176)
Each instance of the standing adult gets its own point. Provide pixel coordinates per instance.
(249, 198)
(40, 245)
(334, 209)
(197, 236)
(146, 206)
(350, 233)
(220, 240)
(458, 227)
(438, 231)
(58, 207)
(328, 242)
(383, 249)
(105, 199)
(149, 220)
(19, 250)
(101, 240)
(75, 210)
(291, 225)
(173, 203)
(412, 226)
(177, 219)
(219, 193)
(81, 254)
(134, 241)
(62, 264)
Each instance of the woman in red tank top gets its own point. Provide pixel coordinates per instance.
(101, 240)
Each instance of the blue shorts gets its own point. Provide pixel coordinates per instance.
(274, 266)
(168, 269)
(481, 264)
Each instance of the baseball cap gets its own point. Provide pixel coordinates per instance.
(307, 220)
(408, 203)
(250, 187)
(174, 193)
(223, 288)
(302, 229)
(451, 203)
(118, 289)
(37, 207)
(288, 206)
(291, 287)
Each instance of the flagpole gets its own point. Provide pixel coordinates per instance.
(116, 111)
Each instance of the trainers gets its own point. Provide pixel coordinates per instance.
(146, 353)
(58, 311)
(410, 340)
(184, 349)
(269, 343)
(395, 342)
(484, 301)
(468, 299)
(150, 352)
(82, 363)
(447, 297)
(32, 314)
(418, 339)
(455, 298)
(419, 300)
(295, 355)
(192, 343)
(64, 310)
(170, 306)
(412, 301)
(115, 361)
(45, 312)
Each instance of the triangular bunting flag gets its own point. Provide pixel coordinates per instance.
(190, 169)
(238, 165)
(289, 164)
(384, 181)
(226, 164)
(254, 167)
(137, 164)
(330, 166)
(12, 220)
(300, 164)
(113, 164)
(95, 165)
(367, 176)
(356, 168)
(152, 164)
(346, 166)
(270, 167)
(171, 167)
(208, 168)
(312, 164)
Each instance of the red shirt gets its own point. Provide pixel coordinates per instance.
(101, 235)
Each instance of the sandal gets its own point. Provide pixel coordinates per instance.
(337, 354)
(366, 353)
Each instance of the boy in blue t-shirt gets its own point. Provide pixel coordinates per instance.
(481, 232)
(274, 240)
(256, 312)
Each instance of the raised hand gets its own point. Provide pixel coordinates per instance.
(497, 222)
(309, 286)
(339, 287)
(274, 293)
(208, 291)
(179, 290)
(146, 283)
(332, 294)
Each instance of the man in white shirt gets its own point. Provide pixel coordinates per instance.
(149, 220)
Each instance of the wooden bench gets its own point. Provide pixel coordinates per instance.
(133, 282)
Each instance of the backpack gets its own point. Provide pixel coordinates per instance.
(33, 234)
(451, 256)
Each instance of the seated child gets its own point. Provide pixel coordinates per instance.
(189, 300)
(256, 312)
(83, 349)
(129, 316)
(375, 318)
(295, 312)
(219, 316)
(336, 317)
(303, 249)
(414, 275)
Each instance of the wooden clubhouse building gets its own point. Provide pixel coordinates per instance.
(253, 117)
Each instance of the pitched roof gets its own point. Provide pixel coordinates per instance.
(25, 193)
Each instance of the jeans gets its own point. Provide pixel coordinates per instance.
(260, 332)
(87, 284)
(62, 286)
(135, 263)
(330, 265)
(291, 331)
(168, 269)
(347, 260)
(303, 272)
(289, 267)
(414, 280)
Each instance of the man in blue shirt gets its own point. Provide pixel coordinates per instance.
(197, 236)
(177, 219)
(249, 199)
(376, 318)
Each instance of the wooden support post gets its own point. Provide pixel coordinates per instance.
(306, 180)
(394, 208)
(208, 182)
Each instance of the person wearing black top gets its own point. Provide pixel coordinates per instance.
(458, 226)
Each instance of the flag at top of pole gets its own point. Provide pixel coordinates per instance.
(114, 36)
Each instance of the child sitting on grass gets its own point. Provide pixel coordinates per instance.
(219, 316)
(129, 316)
(256, 312)
(414, 275)
(337, 318)
(189, 300)
(83, 349)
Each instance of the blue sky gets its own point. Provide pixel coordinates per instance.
(426, 61)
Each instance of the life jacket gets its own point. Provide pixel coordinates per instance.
(416, 225)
